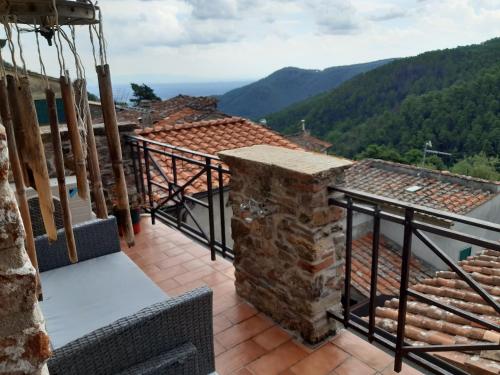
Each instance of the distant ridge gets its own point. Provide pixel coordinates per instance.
(449, 97)
(287, 86)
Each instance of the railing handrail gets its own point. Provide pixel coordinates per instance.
(176, 148)
(377, 207)
(369, 197)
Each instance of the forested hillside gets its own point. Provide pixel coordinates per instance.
(287, 86)
(451, 97)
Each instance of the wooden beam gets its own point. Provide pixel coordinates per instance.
(115, 150)
(80, 87)
(61, 179)
(31, 147)
(68, 97)
(69, 12)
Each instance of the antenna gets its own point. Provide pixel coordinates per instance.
(435, 152)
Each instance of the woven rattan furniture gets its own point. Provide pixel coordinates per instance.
(171, 336)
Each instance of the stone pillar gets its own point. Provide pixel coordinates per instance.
(288, 242)
(24, 344)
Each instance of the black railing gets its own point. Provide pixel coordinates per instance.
(412, 218)
(183, 188)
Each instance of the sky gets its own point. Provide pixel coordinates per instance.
(173, 41)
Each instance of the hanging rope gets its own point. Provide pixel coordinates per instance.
(20, 45)
(8, 32)
(43, 72)
(3, 73)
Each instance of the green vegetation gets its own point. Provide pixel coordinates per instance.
(92, 97)
(479, 166)
(450, 97)
(143, 92)
(287, 86)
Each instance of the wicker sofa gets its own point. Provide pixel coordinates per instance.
(104, 316)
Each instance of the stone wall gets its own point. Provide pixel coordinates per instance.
(107, 176)
(288, 242)
(24, 344)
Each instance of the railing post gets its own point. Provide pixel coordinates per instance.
(148, 177)
(348, 264)
(134, 160)
(374, 273)
(141, 173)
(208, 167)
(403, 291)
(222, 213)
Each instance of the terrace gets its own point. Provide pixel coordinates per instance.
(245, 340)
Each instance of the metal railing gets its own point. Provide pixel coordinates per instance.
(175, 182)
(410, 217)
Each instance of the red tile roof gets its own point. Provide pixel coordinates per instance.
(180, 109)
(441, 190)
(209, 137)
(388, 268)
(427, 324)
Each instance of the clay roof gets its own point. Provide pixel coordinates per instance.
(388, 267)
(436, 189)
(209, 137)
(180, 109)
(428, 325)
(309, 142)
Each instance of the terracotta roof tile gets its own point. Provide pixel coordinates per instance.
(430, 325)
(389, 264)
(309, 142)
(209, 137)
(442, 190)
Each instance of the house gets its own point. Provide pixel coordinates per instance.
(38, 86)
(452, 193)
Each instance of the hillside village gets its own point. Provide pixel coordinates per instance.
(335, 221)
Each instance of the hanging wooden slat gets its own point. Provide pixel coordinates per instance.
(80, 88)
(61, 180)
(74, 136)
(115, 150)
(15, 165)
(31, 147)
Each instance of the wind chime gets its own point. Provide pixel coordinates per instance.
(51, 19)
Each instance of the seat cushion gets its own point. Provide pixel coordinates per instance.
(83, 297)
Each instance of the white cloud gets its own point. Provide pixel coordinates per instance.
(189, 40)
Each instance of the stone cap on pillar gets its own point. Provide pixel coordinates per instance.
(296, 161)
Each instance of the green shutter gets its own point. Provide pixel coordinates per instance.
(43, 112)
(464, 253)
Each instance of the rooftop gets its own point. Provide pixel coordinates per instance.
(436, 189)
(310, 143)
(179, 109)
(246, 341)
(388, 267)
(209, 137)
(430, 325)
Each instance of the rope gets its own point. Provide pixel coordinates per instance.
(8, 32)
(43, 72)
(59, 47)
(3, 73)
(20, 47)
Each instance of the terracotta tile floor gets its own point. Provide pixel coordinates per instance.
(246, 341)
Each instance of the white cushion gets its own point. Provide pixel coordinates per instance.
(83, 297)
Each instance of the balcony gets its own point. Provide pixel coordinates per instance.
(245, 340)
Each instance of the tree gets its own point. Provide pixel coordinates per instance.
(380, 152)
(143, 92)
(92, 97)
(480, 166)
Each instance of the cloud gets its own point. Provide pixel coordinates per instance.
(388, 15)
(335, 16)
(214, 9)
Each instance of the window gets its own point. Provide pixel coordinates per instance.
(464, 253)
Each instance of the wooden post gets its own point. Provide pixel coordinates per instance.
(17, 172)
(31, 147)
(68, 97)
(61, 180)
(115, 150)
(92, 156)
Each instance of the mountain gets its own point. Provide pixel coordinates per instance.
(450, 97)
(287, 86)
